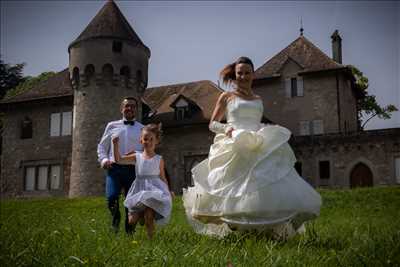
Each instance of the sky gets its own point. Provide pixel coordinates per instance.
(194, 40)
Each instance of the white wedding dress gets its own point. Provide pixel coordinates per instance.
(249, 181)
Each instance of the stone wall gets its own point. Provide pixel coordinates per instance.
(183, 147)
(318, 103)
(348, 105)
(376, 149)
(41, 149)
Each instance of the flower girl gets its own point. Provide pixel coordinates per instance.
(149, 196)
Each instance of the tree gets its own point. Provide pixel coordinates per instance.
(10, 76)
(29, 83)
(367, 103)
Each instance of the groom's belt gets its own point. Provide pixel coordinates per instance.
(123, 165)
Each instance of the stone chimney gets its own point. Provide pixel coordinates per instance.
(336, 47)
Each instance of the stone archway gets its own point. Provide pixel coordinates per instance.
(190, 162)
(361, 176)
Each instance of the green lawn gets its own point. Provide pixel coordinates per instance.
(356, 228)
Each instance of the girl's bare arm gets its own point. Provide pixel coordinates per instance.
(162, 173)
(127, 159)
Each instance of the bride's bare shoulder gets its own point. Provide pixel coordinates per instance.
(225, 97)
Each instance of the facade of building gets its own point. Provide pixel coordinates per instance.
(51, 131)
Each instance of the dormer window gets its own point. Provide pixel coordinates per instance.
(181, 109)
(180, 113)
(117, 47)
(184, 108)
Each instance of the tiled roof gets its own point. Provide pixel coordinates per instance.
(56, 86)
(301, 51)
(109, 23)
(203, 93)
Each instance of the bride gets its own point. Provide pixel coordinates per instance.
(248, 180)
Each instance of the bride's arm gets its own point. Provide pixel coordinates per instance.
(218, 113)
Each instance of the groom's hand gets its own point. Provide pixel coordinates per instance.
(107, 164)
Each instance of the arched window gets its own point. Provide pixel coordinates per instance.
(140, 81)
(75, 77)
(26, 128)
(89, 71)
(108, 71)
(125, 72)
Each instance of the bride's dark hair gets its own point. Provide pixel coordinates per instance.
(227, 74)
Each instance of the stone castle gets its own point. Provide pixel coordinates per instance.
(51, 131)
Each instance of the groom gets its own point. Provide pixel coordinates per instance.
(120, 176)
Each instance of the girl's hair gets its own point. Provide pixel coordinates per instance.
(227, 74)
(155, 129)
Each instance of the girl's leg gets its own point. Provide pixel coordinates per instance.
(149, 221)
(133, 217)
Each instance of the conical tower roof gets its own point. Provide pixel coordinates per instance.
(109, 23)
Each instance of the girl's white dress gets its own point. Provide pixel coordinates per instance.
(148, 190)
(249, 181)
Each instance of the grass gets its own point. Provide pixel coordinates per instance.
(356, 228)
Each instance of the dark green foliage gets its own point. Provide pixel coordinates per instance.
(356, 228)
(10, 76)
(367, 103)
(28, 84)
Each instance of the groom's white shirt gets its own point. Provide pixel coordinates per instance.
(129, 140)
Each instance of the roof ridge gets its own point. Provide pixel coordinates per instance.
(178, 84)
(280, 52)
(303, 52)
(322, 52)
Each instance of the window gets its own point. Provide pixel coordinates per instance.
(317, 127)
(294, 87)
(180, 113)
(125, 72)
(324, 169)
(140, 81)
(55, 173)
(314, 127)
(117, 47)
(181, 109)
(30, 178)
(75, 77)
(26, 128)
(298, 167)
(304, 128)
(60, 124)
(42, 178)
(108, 71)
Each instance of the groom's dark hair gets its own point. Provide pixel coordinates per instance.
(129, 98)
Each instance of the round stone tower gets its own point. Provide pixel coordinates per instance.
(107, 62)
